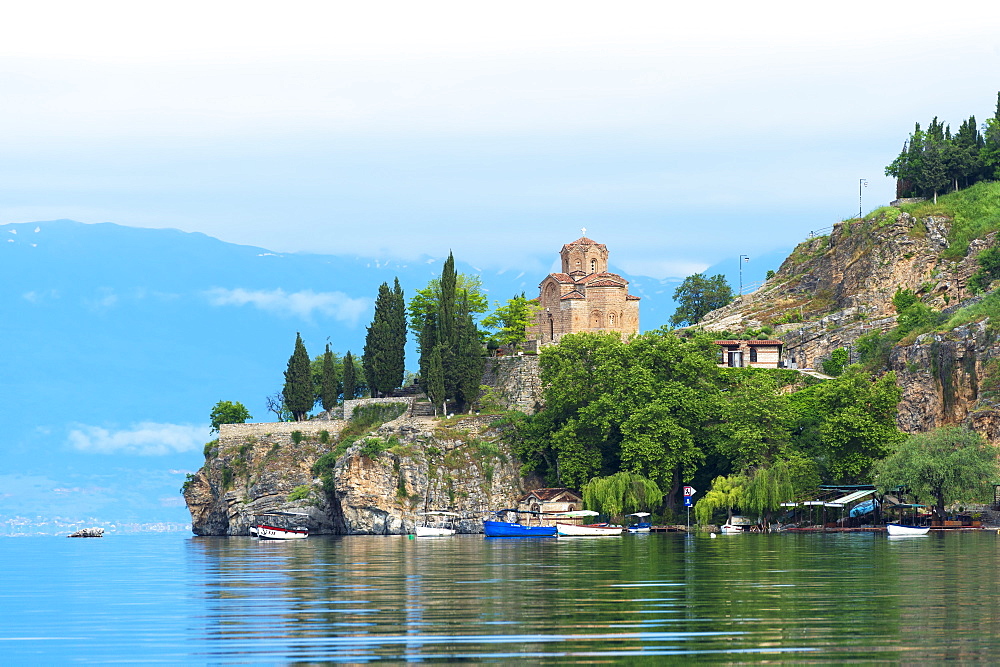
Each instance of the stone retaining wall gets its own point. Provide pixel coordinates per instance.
(351, 405)
(269, 429)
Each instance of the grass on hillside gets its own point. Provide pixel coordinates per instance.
(975, 211)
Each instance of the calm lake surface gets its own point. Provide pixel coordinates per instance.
(738, 598)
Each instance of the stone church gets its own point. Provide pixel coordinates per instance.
(584, 297)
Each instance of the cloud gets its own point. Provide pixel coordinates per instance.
(662, 268)
(299, 304)
(143, 439)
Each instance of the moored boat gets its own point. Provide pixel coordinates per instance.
(508, 524)
(899, 529)
(642, 524)
(588, 530)
(437, 524)
(280, 526)
(739, 524)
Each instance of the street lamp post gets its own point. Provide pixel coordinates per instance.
(743, 258)
(862, 183)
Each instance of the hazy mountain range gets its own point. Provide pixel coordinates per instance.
(117, 341)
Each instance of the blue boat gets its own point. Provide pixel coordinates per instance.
(508, 524)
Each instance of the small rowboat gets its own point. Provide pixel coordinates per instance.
(898, 529)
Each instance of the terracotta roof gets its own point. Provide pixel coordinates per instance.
(748, 342)
(583, 240)
(561, 278)
(631, 297)
(575, 294)
(549, 494)
(605, 283)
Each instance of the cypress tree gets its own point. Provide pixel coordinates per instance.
(396, 358)
(468, 361)
(377, 341)
(434, 380)
(298, 389)
(350, 377)
(328, 382)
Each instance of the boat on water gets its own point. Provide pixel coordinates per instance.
(739, 524)
(564, 529)
(437, 523)
(641, 525)
(588, 530)
(899, 529)
(280, 526)
(507, 523)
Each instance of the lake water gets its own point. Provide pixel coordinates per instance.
(741, 598)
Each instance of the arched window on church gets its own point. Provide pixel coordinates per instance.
(611, 319)
(593, 266)
(551, 295)
(753, 354)
(596, 320)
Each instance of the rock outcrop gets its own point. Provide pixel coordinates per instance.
(834, 289)
(377, 486)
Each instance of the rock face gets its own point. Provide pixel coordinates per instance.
(379, 484)
(942, 376)
(833, 289)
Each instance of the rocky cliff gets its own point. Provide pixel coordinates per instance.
(377, 486)
(834, 289)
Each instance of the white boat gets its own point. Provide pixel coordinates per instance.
(739, 524)
(280, 526)
(437, 524)
(642, 524)
(585, 530)
(588, 530)
(898, 529)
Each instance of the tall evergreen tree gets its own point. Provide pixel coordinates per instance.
(350, 377)
(396, 357)
(434, 380)
(298, 389)
(383, 358)
(328, 382)
(468, 361)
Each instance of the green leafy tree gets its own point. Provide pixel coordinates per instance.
(756, 420)
(511, 320)
(329, 385)
(697, 296)
(903, 299)
(949, 464)
(350, 377)
(298, 390)
(726, 494)
(621, 493)
(837, 362)
(227, 412)
(859, 422)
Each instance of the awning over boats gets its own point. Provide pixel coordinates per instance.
(850, 498)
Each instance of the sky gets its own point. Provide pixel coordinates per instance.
(681, 136)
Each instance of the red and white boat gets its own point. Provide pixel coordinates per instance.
(587, 529)
(276, 526)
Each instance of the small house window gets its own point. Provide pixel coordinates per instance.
(753, 354)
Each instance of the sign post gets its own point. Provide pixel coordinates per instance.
(688, 492)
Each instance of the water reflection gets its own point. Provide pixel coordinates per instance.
(790, 597)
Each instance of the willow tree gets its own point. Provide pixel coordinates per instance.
(726, 493)
(621, 493)
(766, 488)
